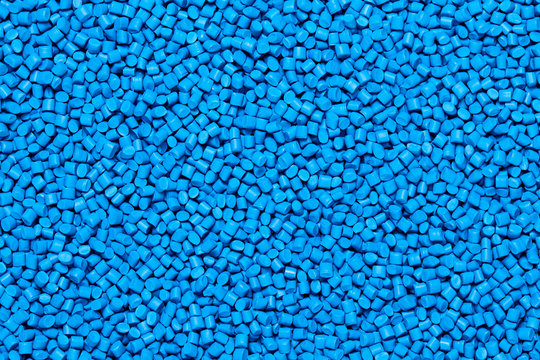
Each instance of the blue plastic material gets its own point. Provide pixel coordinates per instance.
(285, 179)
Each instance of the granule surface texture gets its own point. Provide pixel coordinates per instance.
(267, 179)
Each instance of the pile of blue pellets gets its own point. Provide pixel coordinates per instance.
(269, 179)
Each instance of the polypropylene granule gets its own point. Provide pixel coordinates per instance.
(268, 179)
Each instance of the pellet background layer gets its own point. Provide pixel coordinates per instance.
(249, 179)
